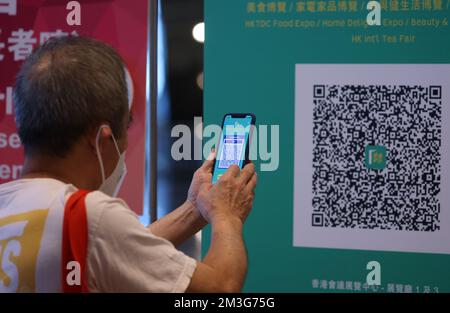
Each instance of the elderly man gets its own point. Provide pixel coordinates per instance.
(62, 215)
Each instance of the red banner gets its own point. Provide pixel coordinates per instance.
(24, 24)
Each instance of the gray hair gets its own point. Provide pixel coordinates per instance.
(67, 87)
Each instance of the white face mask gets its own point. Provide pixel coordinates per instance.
(112, 184)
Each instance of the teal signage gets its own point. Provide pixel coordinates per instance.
(301, 65)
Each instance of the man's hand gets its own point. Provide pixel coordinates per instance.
(202, 179)
(226, 206)
(185, 221)
(231, 197)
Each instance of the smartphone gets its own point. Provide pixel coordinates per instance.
(234, 143)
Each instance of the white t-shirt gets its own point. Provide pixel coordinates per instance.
(122, 256)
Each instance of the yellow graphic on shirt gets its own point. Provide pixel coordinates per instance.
(20, 241)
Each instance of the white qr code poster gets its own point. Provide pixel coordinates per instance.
(372, 157)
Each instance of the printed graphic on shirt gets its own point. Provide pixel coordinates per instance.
(20, 241)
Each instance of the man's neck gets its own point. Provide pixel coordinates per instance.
(68, 171)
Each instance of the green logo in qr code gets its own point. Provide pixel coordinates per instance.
(375, 157)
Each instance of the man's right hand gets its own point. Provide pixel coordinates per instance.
(231, 197)
(226, 206)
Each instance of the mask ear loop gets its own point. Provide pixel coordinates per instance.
(115, 143)
(97, 141)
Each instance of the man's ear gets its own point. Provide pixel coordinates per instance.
(101, 133)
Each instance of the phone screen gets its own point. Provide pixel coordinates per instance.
(233, 144)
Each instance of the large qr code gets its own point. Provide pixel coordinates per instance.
(377, 157)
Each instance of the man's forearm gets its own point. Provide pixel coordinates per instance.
(227, 253)
(179, 225)
(225, 265)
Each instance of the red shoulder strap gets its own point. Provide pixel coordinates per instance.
(75, 240)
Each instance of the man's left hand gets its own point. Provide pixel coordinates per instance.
(202, 178)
